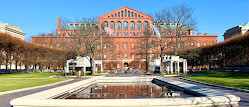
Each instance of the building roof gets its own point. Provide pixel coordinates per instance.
(246, 24)
(1, 23)
(173, 27)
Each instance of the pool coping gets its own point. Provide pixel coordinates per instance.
(211, 98)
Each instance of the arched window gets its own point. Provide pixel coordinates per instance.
(113, 34)
(135, 14)
(117, 34)
(138, 25)
(127, 34)
(130, 34)
(119, 25)
(145, 25)
(140, 34)
(112, 25)
(123, 34)
(120, 34)
(106, 23)
(131, 14)
(122, 14)
(133, 34)
(138, 15)
(118, 14)
(115, 14)
(125, 27)
(132, 25)
(128, 13)
(125, 13)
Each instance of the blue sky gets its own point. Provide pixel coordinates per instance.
(39, 16)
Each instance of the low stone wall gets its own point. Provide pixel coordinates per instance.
(45, 98)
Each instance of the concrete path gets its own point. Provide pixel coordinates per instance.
(6, 98)
(244, 102)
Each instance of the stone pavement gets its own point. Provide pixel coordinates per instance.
(244, 102)
(6, 98)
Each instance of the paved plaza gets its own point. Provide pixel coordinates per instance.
(5, 99)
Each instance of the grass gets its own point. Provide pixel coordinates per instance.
(29, 75)
(17, 81)
(231, 79)
(102, 71)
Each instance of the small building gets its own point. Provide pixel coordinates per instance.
(241, 29)
(169, 61)
(12, 30)
(82, 65)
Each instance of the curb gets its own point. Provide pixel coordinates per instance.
(29, 88)
(231, 88)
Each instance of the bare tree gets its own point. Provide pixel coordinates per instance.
(144, 46)
(86, 40)
(174, 23)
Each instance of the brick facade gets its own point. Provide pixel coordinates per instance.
(126, 35)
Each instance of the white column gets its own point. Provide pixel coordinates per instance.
(183, 67)
(167, 67)
(186, 65)
(171, 67)
(178, 68)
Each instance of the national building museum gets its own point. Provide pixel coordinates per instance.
(128, 26)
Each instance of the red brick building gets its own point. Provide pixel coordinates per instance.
(128, 25)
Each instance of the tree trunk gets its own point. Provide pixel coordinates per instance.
(6, 68)
(93, 66)
(16, 67)
(146, 63)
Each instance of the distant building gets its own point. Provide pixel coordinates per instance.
(241, 29)
(13, 30)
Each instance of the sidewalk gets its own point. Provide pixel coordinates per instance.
(244, 102)
(6, 98)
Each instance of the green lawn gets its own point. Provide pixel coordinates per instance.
(102, 72)
(29, 75)
(11, 82)
(231, 79)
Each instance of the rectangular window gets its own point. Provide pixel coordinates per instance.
(205, 44)
(133, 56)
(192, 44)
(117, 65)
(111, 65)
(152, 46)
(111, 56)
(186, 44)
(152, 55)
(139, 45)
(104, 65)
(125, 56)
(133, 46)
(198, 44)
(117, 56)
(179, 45)
(104, 56)
(104, 46)
(139, 56)
(118, 46)
(140, 65)
(166, 45)
(111, 46)
(125, 45)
